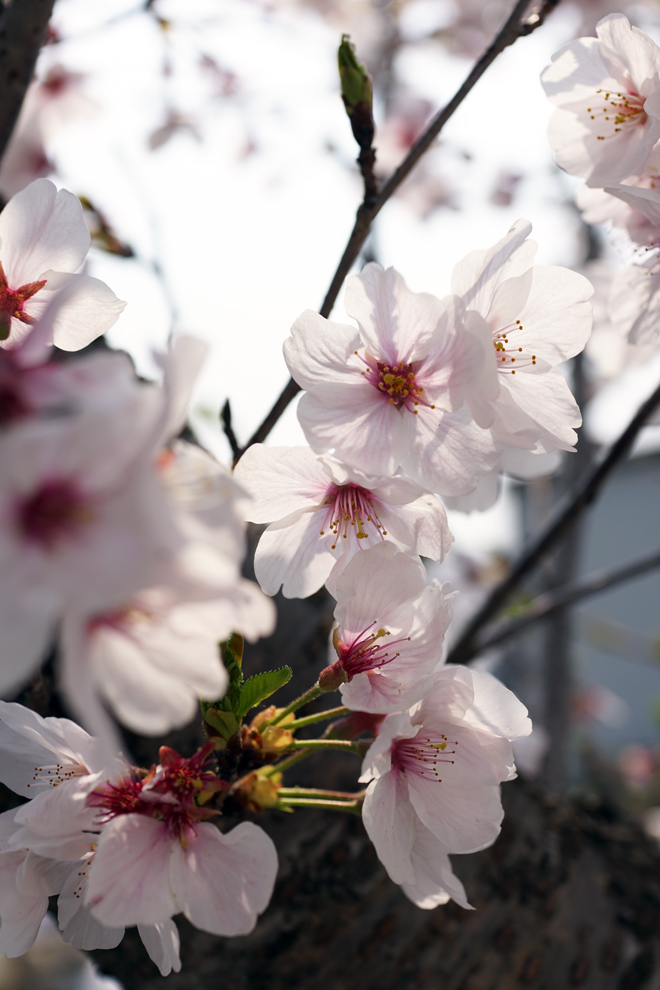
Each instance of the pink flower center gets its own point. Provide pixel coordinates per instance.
(618, 111)
(167, 793)
(422, 754)
(12, 302)
(509, 357)
(351, 510)
(56, 511)
(396, 382)
(369, 650)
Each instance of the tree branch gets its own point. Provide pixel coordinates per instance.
(514, 27)
(568, 510)
(225, 415)
(23, 26)
(552, 601)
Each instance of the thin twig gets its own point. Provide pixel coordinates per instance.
(568, 510)
(225, 415)
(552, 601)
(22, 31)
(513, 28)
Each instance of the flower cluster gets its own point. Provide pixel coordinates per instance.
(121, 545)
(606, 129)
(119, 845)
(422, 397)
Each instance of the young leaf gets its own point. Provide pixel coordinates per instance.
(256, 689)
(225, 723)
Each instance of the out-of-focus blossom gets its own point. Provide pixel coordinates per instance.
(322, 512)
(43, 240)
(607, 90)
(390, 631)
(439, 766)
(391, 396)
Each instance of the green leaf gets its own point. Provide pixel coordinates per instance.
(355, 81)
(256, 689)
(225, 723)
(232, 657)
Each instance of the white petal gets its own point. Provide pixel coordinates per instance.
(222, 882)
(162, 943)
(388, 817)
(40, 229)
(281, 480)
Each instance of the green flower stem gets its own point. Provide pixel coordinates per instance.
(313, 692)
(289, 762)
(353, 807)
(315, 792)
(300, 723)
(316, 744)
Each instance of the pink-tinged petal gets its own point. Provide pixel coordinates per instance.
(635, 304)
(181, 365)
(294, 555)
(90, 309)
(435, 881)
(395, 323)
(19, 921)
(129, 882)
(388, 817)
(374, 583)
(495, 709)
(222, 882)
(162, 944)
(480, 498)
(377, 761)
(382, 692)
(484, 392)
(478, 275)
(465, 820)
(557, 316)
(454, 365)
(634, 50)
(41, 229)
(57, 823)
(448, 452)
(319, 351)
(29, 742)
(26, 636)
(281, 480)
(363, 429)
(538, 405)
(420, 526)
(76, 922)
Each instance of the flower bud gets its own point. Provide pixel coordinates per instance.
(357, 93)
(258, 791)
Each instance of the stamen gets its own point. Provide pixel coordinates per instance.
(422, 754)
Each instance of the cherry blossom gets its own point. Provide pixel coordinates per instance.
(156, 856)
(43, 241)
(322, 512)
(392, 395)
(536, 316)
(440, 764)
(390, 630)
(39, 755)
(607, 90)
(83, 522)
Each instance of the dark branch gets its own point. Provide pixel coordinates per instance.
(553, 601)
(514, 28)
(225, 415)
(568, 510)
(23, 26)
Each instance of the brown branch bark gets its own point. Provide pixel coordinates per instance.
(23, 26)
(514, 27)
(561, 520)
